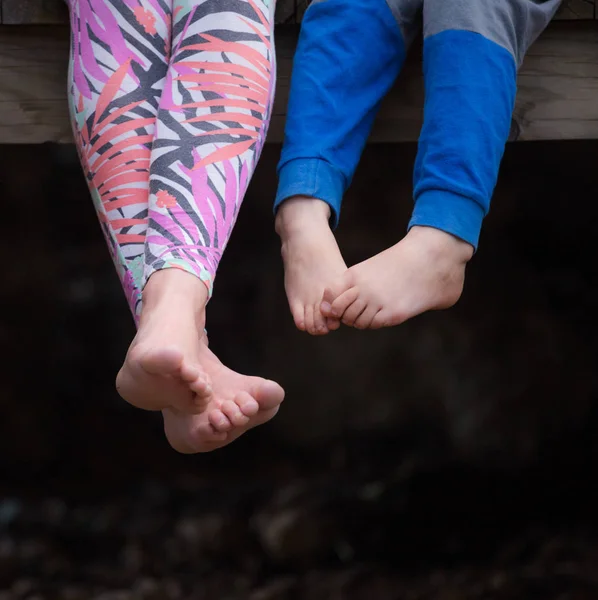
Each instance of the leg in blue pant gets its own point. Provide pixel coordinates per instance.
(349, 54)
(472, 49)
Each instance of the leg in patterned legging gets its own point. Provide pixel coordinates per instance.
(118, 67)
(114, 43)
(117, 71)
(211, 127)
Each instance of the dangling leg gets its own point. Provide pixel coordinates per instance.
(117, 72)
(349, 54)
(472, 50)
(211, 127)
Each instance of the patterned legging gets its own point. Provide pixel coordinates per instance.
(170, 102)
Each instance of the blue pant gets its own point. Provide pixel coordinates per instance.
(350, 53)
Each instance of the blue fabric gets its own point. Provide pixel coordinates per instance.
(348, 56)
(470, 94)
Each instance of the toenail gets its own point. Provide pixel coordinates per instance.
(325, 307)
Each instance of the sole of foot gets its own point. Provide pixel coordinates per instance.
(162, 367)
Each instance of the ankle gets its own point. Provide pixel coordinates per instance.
(299, 213)
(442, 244)
(176, 290)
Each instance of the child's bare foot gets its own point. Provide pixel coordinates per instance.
(312, 260)
(162, 368)
(424, 271)
(238, 403)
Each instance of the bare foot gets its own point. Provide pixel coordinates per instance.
(162, 367)
(312, 260)
(238, 403)
(424, 271)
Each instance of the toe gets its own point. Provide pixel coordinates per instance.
(333, 324)
(247, 404)
(298, 313)
(201, 394)
(332, 292)
(325, 308)
(219, 421)
(326, 303)
(309, 319)
(234, 414)
(342, 303)
(364, 320)
(353, 312)
(319, 321)
(201, 386)
(190, 373)
(268, 394)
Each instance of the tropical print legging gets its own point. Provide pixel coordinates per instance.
(170, 102)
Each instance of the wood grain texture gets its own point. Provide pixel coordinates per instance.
(53, 12)
(578, 9)
(36, 12)
(557, 100)
(291, 11)
(33, 74)
(558, 87)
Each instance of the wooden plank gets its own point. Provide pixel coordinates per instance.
(36, 12)
(33, 67)
(577, 9)
(53, 12)
(291, 11)
(558, 87)
(558, 90)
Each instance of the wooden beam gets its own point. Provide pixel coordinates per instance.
(54, 12)
(33, 67)
(578, 9)
(557, 100)
(37, 12)
(558, 87)
(34, 12)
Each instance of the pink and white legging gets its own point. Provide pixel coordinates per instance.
(170, 103)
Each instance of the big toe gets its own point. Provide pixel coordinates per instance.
(268, 394)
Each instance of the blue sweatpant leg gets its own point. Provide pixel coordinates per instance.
(349, 54)
(472, 51)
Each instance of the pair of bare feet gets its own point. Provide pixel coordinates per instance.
(424, 271)
(205, 405)
(169, 367)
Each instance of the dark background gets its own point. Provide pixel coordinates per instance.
(451, 458)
